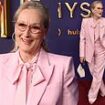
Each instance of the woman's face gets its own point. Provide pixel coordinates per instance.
(29, 30)
(97, 10)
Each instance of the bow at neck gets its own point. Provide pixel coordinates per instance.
(42, 70)
(36, 77)
(99, 22)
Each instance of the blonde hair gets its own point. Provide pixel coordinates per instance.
(93, 4)
(34, 5)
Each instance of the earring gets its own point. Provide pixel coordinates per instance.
(15, 44)
(13, 37)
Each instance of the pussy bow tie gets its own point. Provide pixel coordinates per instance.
(30, 75)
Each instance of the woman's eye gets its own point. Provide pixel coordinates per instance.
(36, 27)
(22, 25)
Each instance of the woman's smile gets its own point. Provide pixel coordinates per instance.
(26, 41)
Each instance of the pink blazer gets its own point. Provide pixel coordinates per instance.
(55, 84)
(87, 37)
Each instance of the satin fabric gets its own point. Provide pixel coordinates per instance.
(53, 81)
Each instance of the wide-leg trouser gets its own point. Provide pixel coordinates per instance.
(97, 70)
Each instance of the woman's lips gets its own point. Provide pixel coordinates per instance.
(26, 41)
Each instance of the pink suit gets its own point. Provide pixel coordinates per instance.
(53, 83)
(92, 47)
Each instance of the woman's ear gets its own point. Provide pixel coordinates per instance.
(92, 10)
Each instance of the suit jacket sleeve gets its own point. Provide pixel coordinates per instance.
(82, 38)
(70, 92)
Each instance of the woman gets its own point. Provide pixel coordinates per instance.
(32, 76)
(92, 48)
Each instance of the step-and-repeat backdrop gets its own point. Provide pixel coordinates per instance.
(63, 35)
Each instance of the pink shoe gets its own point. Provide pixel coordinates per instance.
(102, 94)
(92, 100)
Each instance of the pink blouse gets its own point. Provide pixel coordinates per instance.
(26, 75)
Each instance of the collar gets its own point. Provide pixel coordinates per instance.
(13, 68)
(100, 22)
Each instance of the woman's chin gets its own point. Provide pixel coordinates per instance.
(26, 49)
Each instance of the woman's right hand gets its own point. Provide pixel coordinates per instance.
(82, 59)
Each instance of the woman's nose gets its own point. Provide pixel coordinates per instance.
(27, 32)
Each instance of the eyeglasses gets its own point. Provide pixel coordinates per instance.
(34, 29)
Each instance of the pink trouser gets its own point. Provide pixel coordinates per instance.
(97, 70)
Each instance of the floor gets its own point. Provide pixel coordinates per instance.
(84, 86)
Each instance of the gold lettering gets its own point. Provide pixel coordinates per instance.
(71, 9)
(59, 10)
(73, 32)
(85, 10)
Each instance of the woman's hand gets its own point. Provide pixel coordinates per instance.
(82, 59)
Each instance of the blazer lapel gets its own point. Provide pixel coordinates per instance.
(102, 28)
(91, 30)
(12, 68)
(41, 78)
